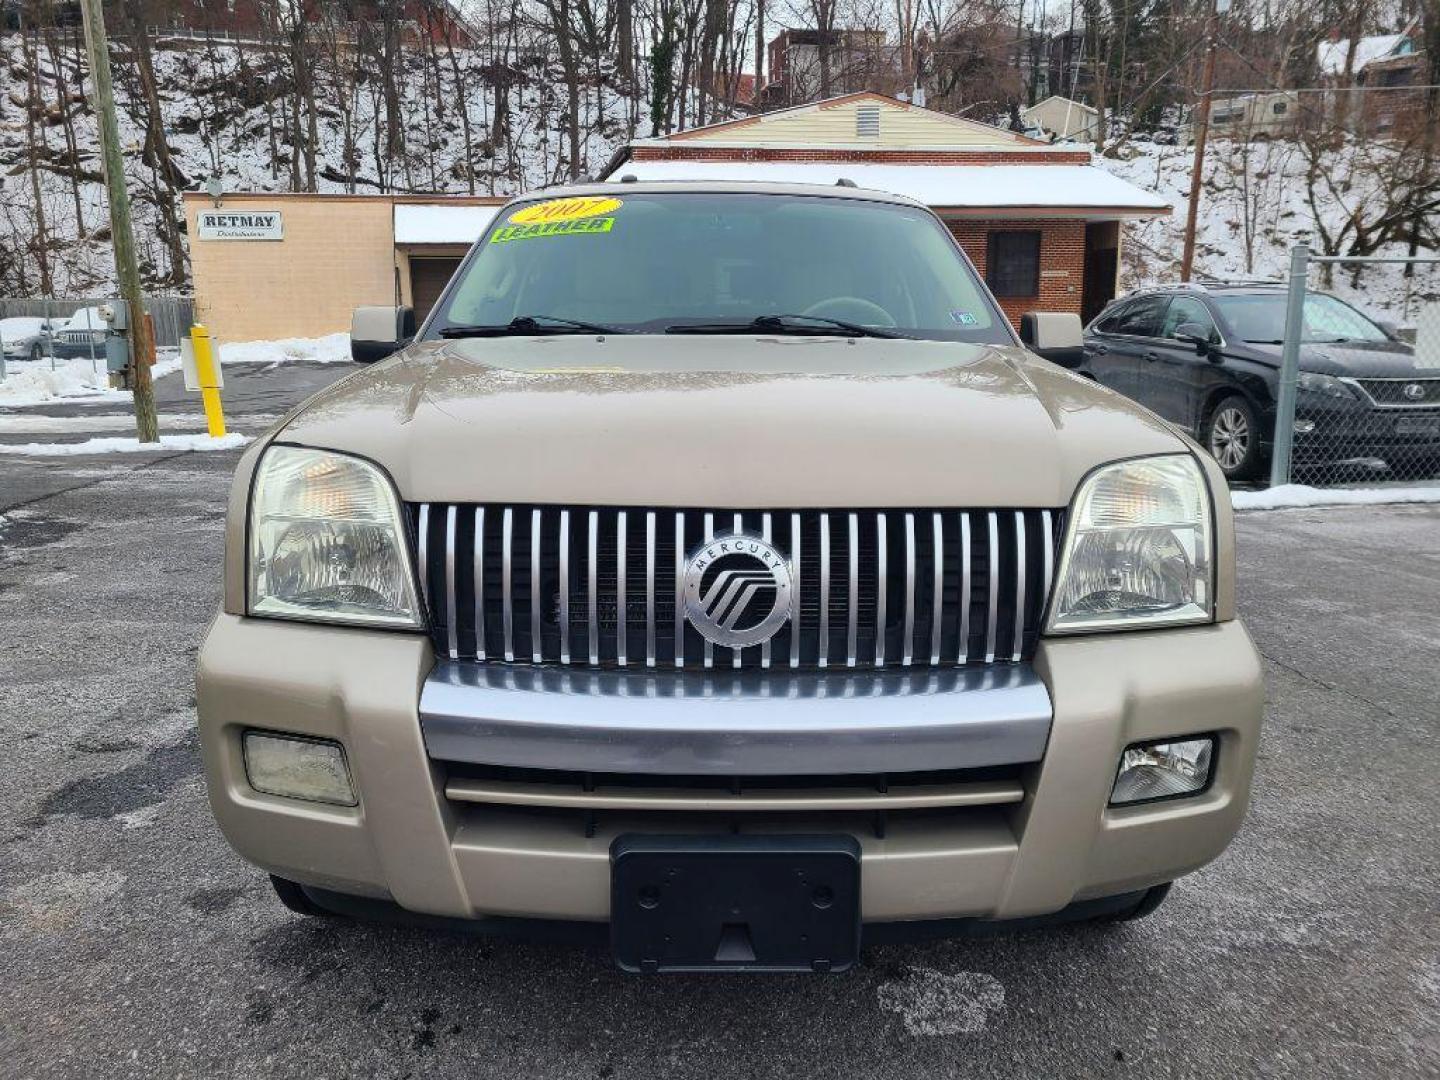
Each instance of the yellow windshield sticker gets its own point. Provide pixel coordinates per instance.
(565, 210)
(581, 227)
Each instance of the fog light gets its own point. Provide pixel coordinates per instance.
(1163, 770)
(298, 768)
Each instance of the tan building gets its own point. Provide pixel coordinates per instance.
(296, 265)
(1042, 223)
(1066, 120)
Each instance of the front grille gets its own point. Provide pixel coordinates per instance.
(1396, 393)
(599, 586)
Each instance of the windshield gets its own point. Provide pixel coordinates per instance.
(1260, 318)
(655, 262)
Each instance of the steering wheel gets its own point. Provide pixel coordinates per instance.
(851, 309)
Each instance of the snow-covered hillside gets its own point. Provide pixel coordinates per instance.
(1254, 206)
(224, 116)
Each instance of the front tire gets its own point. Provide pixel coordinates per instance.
(1232, 435)
(294, 897)
(1152, 899)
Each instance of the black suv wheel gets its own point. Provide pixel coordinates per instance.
(1231, 433)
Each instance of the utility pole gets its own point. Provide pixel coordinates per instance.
(142, 336)
(1202, 136)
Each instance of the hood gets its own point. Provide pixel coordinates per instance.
(1357, 360)
(727, 421)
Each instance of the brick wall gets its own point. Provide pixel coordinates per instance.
(681, 152)
(1062, 262)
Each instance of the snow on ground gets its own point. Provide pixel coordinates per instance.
(127, 446)
(39, 382)
(1293, 496)
(330, 349)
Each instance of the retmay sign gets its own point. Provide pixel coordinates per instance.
(240, 225)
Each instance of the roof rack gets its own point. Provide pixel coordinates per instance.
(1243, 281)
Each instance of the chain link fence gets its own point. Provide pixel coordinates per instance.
(67, 328)
(1357, 403)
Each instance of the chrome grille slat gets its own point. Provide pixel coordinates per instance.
(882, 588)
(938, 562)
(478, 577)
(992, 619)
(737, 656)
(565, 586)
(1019, 631)
(452, 624)
(679, 638)
(709, 534)
(852, 605)
(507, 623)
(765, 534)
(824, 656)
(965, 584)
(592, 588)
(852, 602)
(536, 640)
(650, 589)
(621, 619)
(795, 580)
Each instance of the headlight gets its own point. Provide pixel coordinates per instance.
(327, 542)
(1138, 549)
(1314, 383)
(1163, 770)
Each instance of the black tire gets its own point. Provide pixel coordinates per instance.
(1231, 432)
(1152, 899)
(294, 897)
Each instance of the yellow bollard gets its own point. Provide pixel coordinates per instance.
(209, 381)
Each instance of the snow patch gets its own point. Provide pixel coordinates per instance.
(115, 445)
(1292, 496)
(37, 382)
(330, 349)
(930, 1002)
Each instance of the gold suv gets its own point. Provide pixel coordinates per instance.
(715, 573)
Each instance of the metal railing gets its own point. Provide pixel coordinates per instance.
(1376, 417)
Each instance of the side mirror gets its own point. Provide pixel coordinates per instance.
(1196, 335)
(1391, 329)
(1057, 336)
(376, 332)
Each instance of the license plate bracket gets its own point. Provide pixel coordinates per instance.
(734, 903)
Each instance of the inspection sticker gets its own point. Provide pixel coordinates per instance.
(964, 318)
(592, 206)
(579, 227)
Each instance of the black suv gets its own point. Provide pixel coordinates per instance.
(1207, 357)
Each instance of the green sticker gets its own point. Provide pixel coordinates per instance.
(578, 227)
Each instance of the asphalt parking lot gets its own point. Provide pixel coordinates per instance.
(134, 943)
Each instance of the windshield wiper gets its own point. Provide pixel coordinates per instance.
(530, 324)
(785, 324)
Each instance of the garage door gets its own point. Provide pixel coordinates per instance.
(428, 278)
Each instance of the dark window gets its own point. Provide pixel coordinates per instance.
(1142, 318)
(1186, 309)
(1110, 319)
(1013, 263)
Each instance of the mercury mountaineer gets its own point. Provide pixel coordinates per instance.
(716, 574)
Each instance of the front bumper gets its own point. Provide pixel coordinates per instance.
(440, 845)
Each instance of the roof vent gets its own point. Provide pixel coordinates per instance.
(845, 181)
(867, 121)
(628, 178)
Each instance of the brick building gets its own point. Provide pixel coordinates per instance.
(1042, 223)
